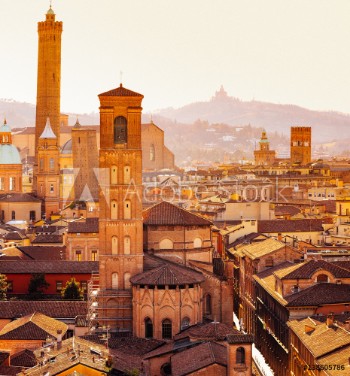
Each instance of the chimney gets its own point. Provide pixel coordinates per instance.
(59, 339)
(279, 237)
(330, 320)
(347, 325)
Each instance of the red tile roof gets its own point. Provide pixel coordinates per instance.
(213, 331)
(44, 253)
(90, 225)
(43, 239)
(120, 92)
(297, 225)
(12, 309)
(197, 358)
(168, 214)
(25, 358)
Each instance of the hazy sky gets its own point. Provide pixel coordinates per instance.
(177, 52)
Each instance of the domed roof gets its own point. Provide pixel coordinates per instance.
(9, 154)
(5, 128)
(50, 11)
(67, 147)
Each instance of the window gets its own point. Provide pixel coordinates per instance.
(322, 278)
(126, 245)
(78, 255)
(41, 164)
(9, 286)
(197, 243)
(59, 286)
(127, 284)
(166, 244)
(13, 215)
(41, 188)
(51, 188)
(94, 255)
(52, 164)
(120, 130)
(148, 328)
(83, 285)
(114, 245)
(114, 175)
(114, 209)
(152, 156)
(240, 355)
(207, 304)
(126, 175)
(115, 281)
(2, 184)
(32, 215)
(12, 183)
(185, 323)
(269, 262)
(166, 329)
(127, 209)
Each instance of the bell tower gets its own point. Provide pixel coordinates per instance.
(120, 225)
(49, 77)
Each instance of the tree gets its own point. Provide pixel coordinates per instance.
(37, 285)
(3, 287)
(72, 290)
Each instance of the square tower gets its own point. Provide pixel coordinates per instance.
(120, 225)
(300, 145)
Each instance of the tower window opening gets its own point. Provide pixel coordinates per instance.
(120, 130)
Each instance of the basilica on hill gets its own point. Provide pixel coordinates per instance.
(158, 274)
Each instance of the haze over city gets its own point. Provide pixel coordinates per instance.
(181, 52)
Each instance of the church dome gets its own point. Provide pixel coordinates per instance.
(67, 147)
(5, 128)
(9, 154)
(50, 11)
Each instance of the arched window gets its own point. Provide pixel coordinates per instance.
(127, 284)
(322, 278)
(167, 331)
(148, 328)
(127, 209)
(197, 243)
(115, 281)
(240, 355)
(152, 153)
(185, 323)
(114, 209)
(114, 245)
(126, 245)
(166, 244)
(120, 130)
(114, 175)
(207, 304)
(126, 174)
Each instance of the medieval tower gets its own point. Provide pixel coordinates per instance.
(120, 225)
(264, 156)
(300, 145)
(49, 79)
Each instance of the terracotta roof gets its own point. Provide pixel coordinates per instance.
(297, 225)
(307, 269)
(90, 225)
(32, 327)
(8, 371)
(240, 338)
(44, 253)
(323, 339)
(259, 249)
(197, 358)
(167, 214)
(120, 92)
(168, 274)
(12, 309)
(214, 331)
(14, 235)
(40, 239)
(25, 358)
(319, 295)
(48, 267)
(3, 356)
(18, 197)
(171, 347)
(286, 209)
(47, 229)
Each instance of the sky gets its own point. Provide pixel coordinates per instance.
(179, 52)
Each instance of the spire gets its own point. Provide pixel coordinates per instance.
(77, 124)
(50, 11)
(5, 122)
(48, 132)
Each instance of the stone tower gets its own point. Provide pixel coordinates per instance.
(85, 163)
(48, 170)
(120, 225)
(49, 76)
(264, 156)
(300, 145)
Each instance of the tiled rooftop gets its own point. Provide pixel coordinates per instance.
(297, 225)
(89, 226)
(120, 92)
(213, 331)
(44, 253)
(43, 239)
(259, 249)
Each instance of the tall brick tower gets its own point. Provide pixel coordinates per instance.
(300, 145)
(49, 77)
(120, 226)
(48, 172)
